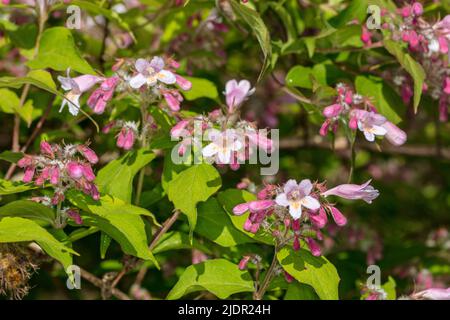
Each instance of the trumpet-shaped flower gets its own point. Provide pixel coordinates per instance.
(150, 73)
(296, 196)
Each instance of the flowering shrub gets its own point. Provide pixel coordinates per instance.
(136, 136)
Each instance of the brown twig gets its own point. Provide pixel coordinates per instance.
(99, 283)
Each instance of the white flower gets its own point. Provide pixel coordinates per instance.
(150, 73)
(223, 146)
(295, 196)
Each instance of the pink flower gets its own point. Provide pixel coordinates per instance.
(443, 44)
(354, 191)
(296, 196)
(54, 175)
(394, 134)
(446, 86)
(26, 161)
(433, 294)
(365, 35)
(183, 83)
(417, 8)
(324, 128)
(338, 217)
(236, 93)
(353, 123)
(88, 173)
(74, 169)
(98, 99)
(319, 219)
(76, 87)
(253, 206)
(173, 100)
(260, 139)
(370, 123)
(179, 130)
(88, 153)
(75, 216)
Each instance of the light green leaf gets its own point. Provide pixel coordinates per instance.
(254, 21)
(220, 277)
(116, 178)
(317, 272)
(231, 198)
(9, 187)
(43, 77)
(28, 209)
(57, 51)
(9, 101)
(21, 230)
(389, 288)
(201, 88)
(105, 241)
(411, 66)
(191, 186)
(119, 220)
(215, 224)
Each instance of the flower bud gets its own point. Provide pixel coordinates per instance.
(244, 262)
(29, 174)
(314, 247)
(338, 217)
(74, 169)
(88, 153)
(46, 148)
(183, 83)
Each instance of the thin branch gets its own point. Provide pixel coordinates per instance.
(99, 283)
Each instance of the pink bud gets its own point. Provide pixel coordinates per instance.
(54, 175)
(406, 11)
(353, 123)
(183, 83)
(296, 244)
(296, 225)
(324, 128)
(29, 174)
(332, 111)
(179, 129)
(288, 277)
(240, 209)
(320, 219)
(75, 216)
(254, 228)
(248, 225)
(74, 169)
(443, 44)
(58, 197)
(88, 153)
(413, 39)
(94, 192)
(394, 134)
(338, 217)
(108, 127)
(348, 97)
(446, 86)
(365, 35)
(244, 262)
(129, 140)
(88, 173)
(314, 247)
(260, 205)
(46, 148)
(242, 185)
(26, 161)
(172, 102)
(417, 8)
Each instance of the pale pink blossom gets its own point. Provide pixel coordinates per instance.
(354, 191)
(237, 92)
(150, 73)
(296, 196)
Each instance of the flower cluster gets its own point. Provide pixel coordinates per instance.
(230, 140)
(428, 43)
(358, 112)
(301, 208)
(64, 167)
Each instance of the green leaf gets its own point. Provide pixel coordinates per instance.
(254, 21)
(201, 88)
(105, 241)
(231, 198)
(300, 291)
(28, 209)
(411, 66)
(389, 288)
(9, 187)
(215, 224)
(357, 9)
(43, 77)
(317, 272)
(10, 156)
(219, 276)
(191, 186)
(9, 101)
(57, 51)
(386, 100)
(116, 178)
(119, 220)
(20, 230)
(177, 240)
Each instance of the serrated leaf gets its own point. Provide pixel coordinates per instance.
(317, 272)
(24, 230)
(57, 51)
(191, 186)
(116, 178)
(219, 276)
